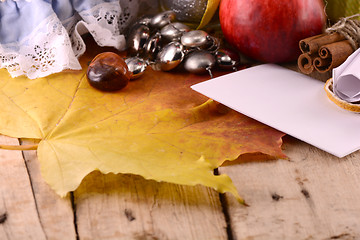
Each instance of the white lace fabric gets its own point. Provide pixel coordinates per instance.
(55, 46)
(45, 51)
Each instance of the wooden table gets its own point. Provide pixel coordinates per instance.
(313, 195)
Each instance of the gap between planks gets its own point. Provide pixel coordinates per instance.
(55, 214)
(33, 210)
(109, 207)
(312, 196)
(131, 207)
(17, 203)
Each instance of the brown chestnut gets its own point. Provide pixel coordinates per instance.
(108, 72)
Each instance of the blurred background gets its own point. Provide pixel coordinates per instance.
(191, 11)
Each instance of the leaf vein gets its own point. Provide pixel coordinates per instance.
(69, 106)
(23, 110)
(58, 163)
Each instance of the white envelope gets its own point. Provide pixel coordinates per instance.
(290, 102)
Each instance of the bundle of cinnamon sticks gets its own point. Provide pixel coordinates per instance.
(323, 52)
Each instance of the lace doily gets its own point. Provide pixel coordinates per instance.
(45, 51)
(55, 46)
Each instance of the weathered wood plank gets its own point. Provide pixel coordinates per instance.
(18, 211)
(56, 213)
(312, 196)
(129, 207)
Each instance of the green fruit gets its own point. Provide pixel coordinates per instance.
(190, 11)
(337, 9)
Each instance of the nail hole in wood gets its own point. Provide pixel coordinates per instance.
(3, 218)
(276, 197)
(129, 215)
(305, 193)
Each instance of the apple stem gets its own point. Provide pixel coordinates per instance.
(19, 147)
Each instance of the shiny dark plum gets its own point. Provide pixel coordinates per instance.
(108, 72)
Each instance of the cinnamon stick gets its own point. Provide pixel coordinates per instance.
(324, 52)
(332, 55)
(322, 64)
(305, 63)
(312, 44)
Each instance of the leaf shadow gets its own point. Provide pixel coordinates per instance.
(136, 189)
(250, 158)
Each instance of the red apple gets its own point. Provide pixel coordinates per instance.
(270, 30)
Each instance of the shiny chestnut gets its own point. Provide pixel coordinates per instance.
(108, 72)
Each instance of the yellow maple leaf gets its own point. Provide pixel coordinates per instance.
(156, 127)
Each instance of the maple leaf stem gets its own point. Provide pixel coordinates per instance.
(19, 147)
(244, 203)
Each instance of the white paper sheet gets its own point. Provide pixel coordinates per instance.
(290, 102)
(346, 78)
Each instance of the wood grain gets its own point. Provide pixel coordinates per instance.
(55, 213)
(18, 210)
(312, 196)
(129, 207)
